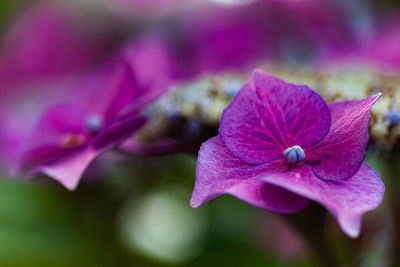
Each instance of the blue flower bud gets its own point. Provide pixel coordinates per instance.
(294, 154)
(94, 123)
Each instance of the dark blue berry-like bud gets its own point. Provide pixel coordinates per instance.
(192, 128)
(294, 154)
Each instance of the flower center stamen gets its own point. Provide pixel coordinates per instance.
(294, 154)
(72, 140)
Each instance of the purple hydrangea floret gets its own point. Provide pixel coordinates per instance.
(68, 136)
(64, 100)
(281, 145)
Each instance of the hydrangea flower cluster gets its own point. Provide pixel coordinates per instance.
(281, 145)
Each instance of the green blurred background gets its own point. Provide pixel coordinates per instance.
(138, 214)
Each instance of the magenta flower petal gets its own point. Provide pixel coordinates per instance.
(382, 50)
(58, 132)
(49, 39)
(154, 67)
(218, 172)
(342, 152)
(59, 119)
(151, 58)
(348, 199)
(119, 131)
(120, 91)
(269, 115)
(69, 171)
(42, 155)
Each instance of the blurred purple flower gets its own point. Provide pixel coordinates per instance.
(215, 38)
(383, 48)
(58, 110)
(374, 43)
(319, 24)
(280, 145)
(152, 61)
(41, 58)
(220, 38)
(50, 39)
(105, 109)
(69, 136)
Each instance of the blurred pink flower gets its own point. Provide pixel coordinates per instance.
(374, 43)
(221, 38)
(69, 136)
(383, 49)
(50, 39)
(59, 110)
(41, 57)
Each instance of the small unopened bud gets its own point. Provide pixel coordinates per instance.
(294, 154)
(94, 123)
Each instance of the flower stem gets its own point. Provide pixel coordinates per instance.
(311, 224)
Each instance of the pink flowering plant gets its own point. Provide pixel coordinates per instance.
(281, 145)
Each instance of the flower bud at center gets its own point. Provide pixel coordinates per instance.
(94, 123)
(294, 154)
